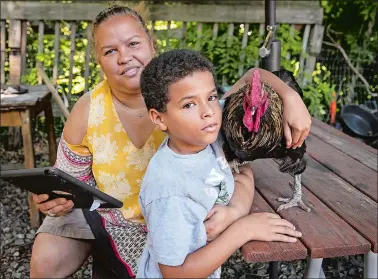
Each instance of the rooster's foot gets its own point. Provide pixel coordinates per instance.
(234, 165)
(292, 202)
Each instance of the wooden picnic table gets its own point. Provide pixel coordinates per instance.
(340, 186)
(19, 110)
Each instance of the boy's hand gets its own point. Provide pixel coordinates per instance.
(267, 227)
(218, 219)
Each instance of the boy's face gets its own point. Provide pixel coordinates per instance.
(193, 117)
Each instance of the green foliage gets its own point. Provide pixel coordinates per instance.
(357, 32)
(225, 51)
(48, 55)
(318, 95)
(355, 20)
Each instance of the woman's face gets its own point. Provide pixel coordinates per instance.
(123, 49)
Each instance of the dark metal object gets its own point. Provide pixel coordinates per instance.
(271, 49)
(272, 62)
(273, 270)
(270, 14)
(358, 121)
(271, 53)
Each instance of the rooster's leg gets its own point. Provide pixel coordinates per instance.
(234, 165)
(296, 200)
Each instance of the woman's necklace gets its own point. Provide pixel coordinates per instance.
(138, 115)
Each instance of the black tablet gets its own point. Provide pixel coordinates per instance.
(58, 184)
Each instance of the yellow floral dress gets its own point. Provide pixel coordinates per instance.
(107, 159)
(118, 166)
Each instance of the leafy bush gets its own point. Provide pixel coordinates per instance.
(224, 51)
(318, 95)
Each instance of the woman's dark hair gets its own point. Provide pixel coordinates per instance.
(166, 69)
(117, 10)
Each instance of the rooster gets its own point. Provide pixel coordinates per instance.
(253, 128)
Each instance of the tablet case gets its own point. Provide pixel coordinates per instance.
(58, 184)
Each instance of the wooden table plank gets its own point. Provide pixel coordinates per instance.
(339, 134)
(324, 233)
(35, 94)
(340, 143)
(352, 171)
(262, 251)
(358, 210)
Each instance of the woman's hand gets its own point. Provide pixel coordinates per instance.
(55, 207)
(297, 120)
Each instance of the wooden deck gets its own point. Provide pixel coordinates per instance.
(339, 184)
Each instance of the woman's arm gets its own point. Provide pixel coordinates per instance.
(282, 89)
(73, 133)
(77, 123)
(297, 118)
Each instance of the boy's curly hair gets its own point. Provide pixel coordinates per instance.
(167, 69)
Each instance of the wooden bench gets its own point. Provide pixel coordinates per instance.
(19, 110)
(340, 185)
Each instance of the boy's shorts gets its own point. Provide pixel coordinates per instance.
(72, 225)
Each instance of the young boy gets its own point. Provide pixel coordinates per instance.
(188, 175)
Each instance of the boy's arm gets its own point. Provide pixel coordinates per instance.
(175, 225)
(220, 217)
(257, 226)
(206, 260)
(244, 192)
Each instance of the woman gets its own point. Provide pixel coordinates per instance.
(108, 141)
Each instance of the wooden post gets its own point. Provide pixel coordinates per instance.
(183, 41)
(72, 53)
(168, 44)
(14, 43)
(87, 59)
(49, 122)
(291, 35)
(199, 35)
(153, 23)
(53, 91)
(215, 31)
(244, 45)
(41, 32)
(306, 36)
(3, 52)
(24, 30)
(56, 52)
(315, 46)
(26, 127)
(26, 124)
(230, 33)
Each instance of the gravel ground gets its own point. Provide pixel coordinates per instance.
(17, 239)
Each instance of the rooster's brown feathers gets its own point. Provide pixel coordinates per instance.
(269, 141)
